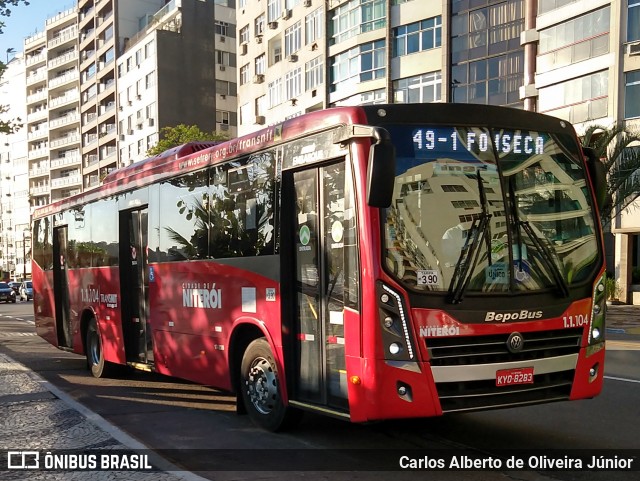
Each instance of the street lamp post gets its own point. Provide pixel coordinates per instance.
(25, 237)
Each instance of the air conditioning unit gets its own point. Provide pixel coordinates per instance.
(306, 3)
(150, 122)
(258, 38)
(633, 49)
(292, 58)
(260, 119)
(224, 126)
(129, 132)
(223, 96)
(273, 25)
(139, 126)
(223, 39)
(222, 68)
(258, 79)
(243, 49)
(286, 15)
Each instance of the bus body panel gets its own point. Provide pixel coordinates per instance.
(44, 300)
(193, 309)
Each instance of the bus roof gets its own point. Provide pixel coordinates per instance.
(195, 155)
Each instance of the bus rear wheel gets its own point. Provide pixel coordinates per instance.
(94, 353)
(261, 389)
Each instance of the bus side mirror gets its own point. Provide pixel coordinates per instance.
(381, 173)
(598, 174)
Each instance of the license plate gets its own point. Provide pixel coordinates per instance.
(511, 377)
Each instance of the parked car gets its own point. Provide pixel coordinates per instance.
(7, 294)
(15, 286)
(26, 291)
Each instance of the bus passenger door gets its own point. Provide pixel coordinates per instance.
(134, 286)
(325, 261)
(61, 286)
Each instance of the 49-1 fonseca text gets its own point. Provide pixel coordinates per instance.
(516, 462)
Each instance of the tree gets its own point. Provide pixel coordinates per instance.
(181, 134)
(10, 126)
(614, 146)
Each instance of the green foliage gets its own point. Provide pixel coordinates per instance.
(7, 127)
(181, 134)
(614, 146)
(612, 288)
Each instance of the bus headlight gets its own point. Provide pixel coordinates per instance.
(597, 324)
(394, 325)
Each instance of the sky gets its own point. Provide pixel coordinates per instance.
(28, 20)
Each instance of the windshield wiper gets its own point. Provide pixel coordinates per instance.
(547, 257)
(545, 253)
(480, 230)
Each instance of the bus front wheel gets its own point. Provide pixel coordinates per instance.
(261, 389)
(95, 355)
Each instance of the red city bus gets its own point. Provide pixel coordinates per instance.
(374, 262)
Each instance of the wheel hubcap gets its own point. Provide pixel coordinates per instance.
(262, 386)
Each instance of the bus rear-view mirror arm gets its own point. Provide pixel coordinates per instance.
(598, 175)
(381, 171)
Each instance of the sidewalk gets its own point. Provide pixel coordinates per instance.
(623, 319)
(36, 416)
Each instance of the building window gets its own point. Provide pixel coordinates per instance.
(275, 93)
(578, 39)
(244, 34)
(419, 89)
(244, 74)
(314, 73)
(417, 36)
(274, 10)
(222, 28)
(372, 97)
(545, 6)
(293, 39)
(355, 17)
(259, 25)
(633, 21)
(261, 105)
(313, 26)
(577, 100)
(359, 64)
(149, 49)
(632, 95)
(293, 83)
(260, 64)
(222, 117)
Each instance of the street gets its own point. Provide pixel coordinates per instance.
(189, 424)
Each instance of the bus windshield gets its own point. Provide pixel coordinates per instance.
(477, 209)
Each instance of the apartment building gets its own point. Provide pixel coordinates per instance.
(176, 70)
(303, 55)
(14, 183)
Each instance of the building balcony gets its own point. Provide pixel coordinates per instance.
(66, 161)
(64, 79)
(64, 141)
(62, 121)
(65, 182)
(38, 134)
(37, 97)
(63, 59)
(34, 117)
(64, 99)
(67, 36)
(35, 59)
(39, 190)
(40, 171)
(38, 153)
(40, 76)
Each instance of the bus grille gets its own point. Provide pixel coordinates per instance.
(470, 350)
(474, 395)
(483, 394)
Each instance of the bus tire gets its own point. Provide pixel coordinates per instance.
(259, 384)
(94, 352)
